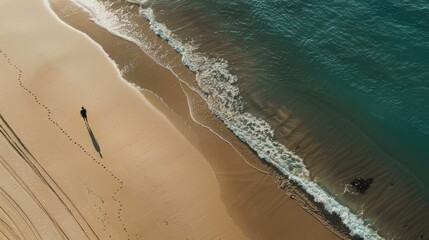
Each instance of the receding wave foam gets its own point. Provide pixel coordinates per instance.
(222, 95)
(219, 88)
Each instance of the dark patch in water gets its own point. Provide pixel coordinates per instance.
(361, 185)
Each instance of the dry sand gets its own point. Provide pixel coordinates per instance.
(131, 172)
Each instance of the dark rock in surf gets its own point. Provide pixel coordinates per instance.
(361, 185)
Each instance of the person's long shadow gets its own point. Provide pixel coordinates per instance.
(93, 139)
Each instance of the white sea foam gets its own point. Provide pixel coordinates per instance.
(219, 88)
(108, 20)
(222, 95)
(140, 2)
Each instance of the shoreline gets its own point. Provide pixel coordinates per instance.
(105, 178)
(123, 63)
(112, 177)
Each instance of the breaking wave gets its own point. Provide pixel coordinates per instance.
(219, 89)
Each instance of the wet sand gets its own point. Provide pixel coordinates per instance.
(141, 168)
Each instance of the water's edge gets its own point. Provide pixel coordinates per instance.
(222, 95)
(245, 125)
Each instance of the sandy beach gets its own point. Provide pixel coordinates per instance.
(140, 168)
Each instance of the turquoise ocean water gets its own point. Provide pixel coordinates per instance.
(356, 72)
(368, 61)
(344, 85)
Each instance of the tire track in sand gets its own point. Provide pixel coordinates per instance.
(17, 217)
(46, 177)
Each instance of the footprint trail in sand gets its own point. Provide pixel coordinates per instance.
(20, 148)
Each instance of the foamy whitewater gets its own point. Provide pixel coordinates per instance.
(219, 88)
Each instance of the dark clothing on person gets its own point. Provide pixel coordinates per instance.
(83, 113)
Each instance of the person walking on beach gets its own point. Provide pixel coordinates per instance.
(83, 114)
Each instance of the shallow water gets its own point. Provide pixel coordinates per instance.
(344, 85)
(355, 76)
(366, 61)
